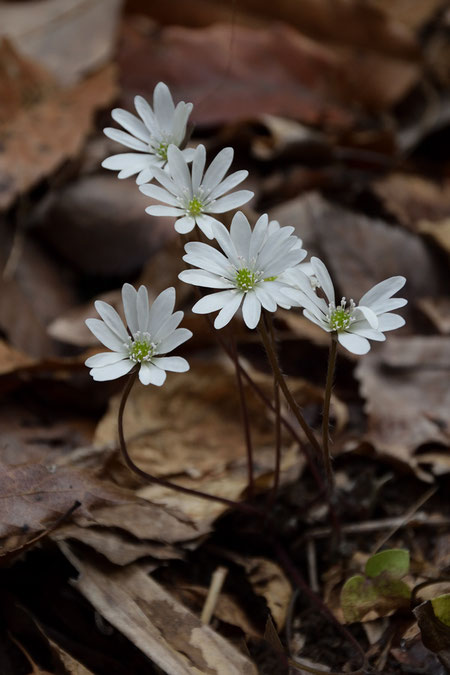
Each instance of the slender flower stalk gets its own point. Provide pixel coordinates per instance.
(150, 135)
(285, 389)
(245, 416)
(276, 400)
(326, 413)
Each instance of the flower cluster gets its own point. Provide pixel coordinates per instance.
(249, 269)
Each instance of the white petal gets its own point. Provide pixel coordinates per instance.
(206, 224)
(175, 364)
(228, 184)
(198, 164)
(265, 298)
(125, 139)
(314, 319)
(160, 194)
(163, 105)
(324, 278)
(259, 235)
(226, 243)
(390, 322)
(179, 169)
(167, 327)
(174, 340)
(207, 258)
(354, 343)
(360, 329)
(131, 124)
(251, 309)
(104, 359)
(160, 310)
(146, 175)
(185, 224)
(179, 122)
(129, 298)
(217, 169)
(142, 308)
(105, 335)
(150, 374)
(113, 371)
(212, 302)
(385, 289)
(382, 306)
(162, 176)
(207, 279)
(145, 113)
(228, 310)
(230, 202)
(240, 233)
(112, 319)
(133, 161)
(157, 210)
(368, 314)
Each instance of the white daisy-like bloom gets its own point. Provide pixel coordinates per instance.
(152, 332)
(150, 135)
(353, 324)
(191, 196)
(246, 272)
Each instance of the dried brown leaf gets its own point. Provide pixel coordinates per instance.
(48, 33)
(164, 630)
(407, 397)
(41, 137)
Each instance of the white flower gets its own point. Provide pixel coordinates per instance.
(353, 324)
(247, 271)
(191, 197)
(150, 136)
(152, 331)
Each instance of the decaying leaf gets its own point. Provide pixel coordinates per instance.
(42, 136)
(48, 32)
(268, 580)
(169, 634)
(407, 406)
(435, 633)
(190, 430)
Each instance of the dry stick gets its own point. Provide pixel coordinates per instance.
(160, 481)
(244, 416)
(326, 414)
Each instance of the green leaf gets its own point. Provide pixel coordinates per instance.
(394, 561)
(358, 596)
(441, 608)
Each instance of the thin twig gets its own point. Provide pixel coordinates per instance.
(215, 588)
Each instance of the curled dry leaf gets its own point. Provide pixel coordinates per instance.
(168, 633)
(407, 405)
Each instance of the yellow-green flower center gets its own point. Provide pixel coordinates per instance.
(340, 319)
(270, 278)
(245, 279)
(162, 150)
(195, 207)
(141, 348)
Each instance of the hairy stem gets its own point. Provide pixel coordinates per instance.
(244, 415)
(326, 413)
(285, 389)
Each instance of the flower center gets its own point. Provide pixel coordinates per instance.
(162, 150)
(341, 317)
(245, 279)
(195, 207)
(141, 348)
